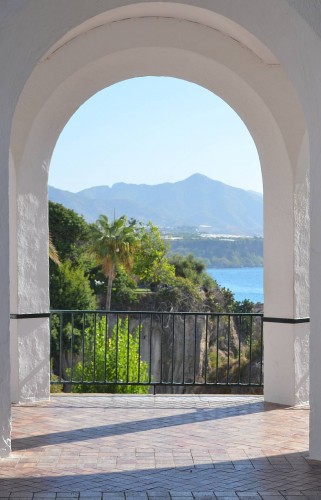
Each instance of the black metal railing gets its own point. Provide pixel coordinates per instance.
(99, 351)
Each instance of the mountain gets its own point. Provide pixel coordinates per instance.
(195, 201)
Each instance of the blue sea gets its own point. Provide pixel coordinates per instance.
(244, 282)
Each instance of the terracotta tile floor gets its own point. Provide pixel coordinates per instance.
(157, 447)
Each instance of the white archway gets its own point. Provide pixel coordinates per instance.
(209, 46)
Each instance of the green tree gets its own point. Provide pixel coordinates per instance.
(70, 235)
(124, 290)
(69, 232)
(113, 245)
(69, 289)
(151, 264)
(193, 269)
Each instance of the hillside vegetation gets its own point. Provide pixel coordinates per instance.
(218, 253)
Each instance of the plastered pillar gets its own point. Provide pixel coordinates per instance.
(30, 373)
(5, 411)
(30, 340)
(286, 369)
(315, 300)
(286, 286)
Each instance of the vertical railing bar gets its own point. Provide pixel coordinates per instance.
(228, 348)
(83, 347)
(161, 349)
(116, 370)
(95, 338)
(195, 346)
(60, 345)
(184, 347)
(217, 345)
(50, 364)
(72, 346)
(206, 353)
(106, 344)
(173, 344)
(261, 354)
(127, 369)
(140, 329)
(250, 367)
(150, 348)
(240, 329)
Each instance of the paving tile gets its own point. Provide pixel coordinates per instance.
(292, 493)
(294, 497)
(274, 496)
(113, 496)
(91, 496)
(226, 497)
(226, 493)
(68, 497)
(248, 495)
(43, 495)
(21, 494)
(65, 494)
(19, 497)
(269, 493)
(251, 497)
(165, 496)
(182, 494)
(136, 494)
(206, 497)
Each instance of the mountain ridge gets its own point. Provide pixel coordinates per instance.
(195, 201)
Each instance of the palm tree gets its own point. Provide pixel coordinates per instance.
(114, 244)
(53, 254)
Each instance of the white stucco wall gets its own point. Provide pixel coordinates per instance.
(260, 57)
(5, 419)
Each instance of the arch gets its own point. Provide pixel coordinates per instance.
(212, 46)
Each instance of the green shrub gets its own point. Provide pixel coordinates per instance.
(111, 357)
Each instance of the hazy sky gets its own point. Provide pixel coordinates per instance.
(152, 130)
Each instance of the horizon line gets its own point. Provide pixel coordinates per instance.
(156, 184)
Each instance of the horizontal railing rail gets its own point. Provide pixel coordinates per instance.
(100, 351)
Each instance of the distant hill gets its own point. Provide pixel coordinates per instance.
(195, 201)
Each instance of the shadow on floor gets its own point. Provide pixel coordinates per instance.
(123, 428)
(283, 474)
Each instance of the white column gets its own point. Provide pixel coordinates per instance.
(30, 346)
(286, 363)
(315, 303)
(5, 411)
(31, 375)
(286, 276)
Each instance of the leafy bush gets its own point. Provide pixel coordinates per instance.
(111, 357)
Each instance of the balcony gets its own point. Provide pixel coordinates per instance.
(152, 445)
(157, 447)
